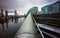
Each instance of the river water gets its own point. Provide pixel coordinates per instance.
(9, 27)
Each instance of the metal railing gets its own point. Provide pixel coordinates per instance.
(29, 29)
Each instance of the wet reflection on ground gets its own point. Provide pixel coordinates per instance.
(8, 27)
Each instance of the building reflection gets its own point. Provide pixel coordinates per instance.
(6, 23)
(16, 19)
(4, 19)
(2, 22)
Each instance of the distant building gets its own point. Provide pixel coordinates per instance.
(39, 12)
(56, 7)
(53, 8)
(45, 10)
(33, 10)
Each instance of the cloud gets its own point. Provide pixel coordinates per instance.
(23, 5)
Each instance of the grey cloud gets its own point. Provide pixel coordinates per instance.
(7, 4)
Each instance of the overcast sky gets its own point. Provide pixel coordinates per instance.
(23, 5)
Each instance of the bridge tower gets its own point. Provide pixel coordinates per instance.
(2, 13)
(6, 12)
(15, 12)
(15, 15)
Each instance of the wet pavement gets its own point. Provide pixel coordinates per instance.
(9, 27)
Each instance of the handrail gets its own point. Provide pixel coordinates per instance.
(50, 28)
(27, 29)
(39, 28)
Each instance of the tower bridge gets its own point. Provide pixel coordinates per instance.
(7, 12)
(33, 25)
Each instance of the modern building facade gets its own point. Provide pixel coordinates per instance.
(53, 8)
(33, 10)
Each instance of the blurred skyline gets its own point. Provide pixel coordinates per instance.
(22, 6)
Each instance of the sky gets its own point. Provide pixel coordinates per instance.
(22, 6)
